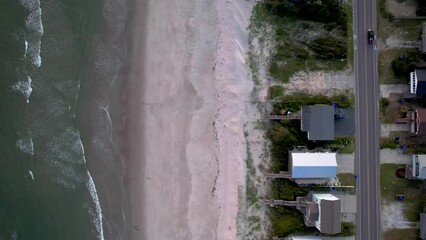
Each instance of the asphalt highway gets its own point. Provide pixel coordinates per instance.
(367, 161)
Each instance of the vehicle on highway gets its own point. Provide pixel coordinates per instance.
(371, 36)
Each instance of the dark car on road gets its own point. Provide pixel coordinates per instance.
(370, 36)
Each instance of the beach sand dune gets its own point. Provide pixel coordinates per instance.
(189, 90)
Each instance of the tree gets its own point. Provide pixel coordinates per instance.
(401, 68)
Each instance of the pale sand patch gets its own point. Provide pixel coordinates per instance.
(193, 109)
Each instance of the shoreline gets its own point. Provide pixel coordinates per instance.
(128, 132)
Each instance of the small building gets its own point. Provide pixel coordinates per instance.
(313, 165)
(422, 225)
(418, 170)
(418, 82)
(320, 210)
(318, 122)
(418, 123)
(324, 122)
(329, 221)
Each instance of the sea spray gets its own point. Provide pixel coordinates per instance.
(24, 87)
(25, 142)
(34, 25)
(98, 218)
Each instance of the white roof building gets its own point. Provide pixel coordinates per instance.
(313, 165)
(419, 166)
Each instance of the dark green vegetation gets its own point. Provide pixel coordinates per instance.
(388, 143)
(412, 189)
(325, 11)
(275, 92)
(286, 189)
(286, 221)
(398, 234)
(309, 35)
(406, 63)
(294, 102)
(348, 229)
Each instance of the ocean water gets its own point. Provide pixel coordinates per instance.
(60, 168)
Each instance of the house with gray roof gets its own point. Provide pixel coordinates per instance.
(318, 122)
(325, 122)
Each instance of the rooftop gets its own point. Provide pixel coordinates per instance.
(318, 121)
(313, 165)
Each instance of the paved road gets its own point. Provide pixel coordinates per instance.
(367, 163)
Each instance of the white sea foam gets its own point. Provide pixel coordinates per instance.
(66, 159)
(25, 144)
(34, 23)
(98, 220)
(34, 52)
(24, 87)
(26, 48)
(31, 174)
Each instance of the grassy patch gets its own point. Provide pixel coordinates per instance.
(409, 29)
(386, 75)
(348, 229)
(251, 190)
(386, 142)
(342, 144)
(398, 234)
(385, 116)
(294, 102)
(347, 179)
(275, 92)
(381, 7)
(296, 40)
(391, 185)
(349, 36)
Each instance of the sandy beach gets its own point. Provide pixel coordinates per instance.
(186, 108)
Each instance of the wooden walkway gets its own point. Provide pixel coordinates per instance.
(295, 116)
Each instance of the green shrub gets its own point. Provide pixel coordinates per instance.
(388, 143)
(384, 103)
(285, 189)
(275, 92)
(329, 48)
(401, 68)
(325, 11)
(286, 221)
(348, 229)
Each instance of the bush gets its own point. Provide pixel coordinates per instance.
(401, 68)
(325, 11)
(329, 48)
(286, 221)
(348, 229)
(275, 92)
(388, 143)
(285, 189)
(384, 103)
